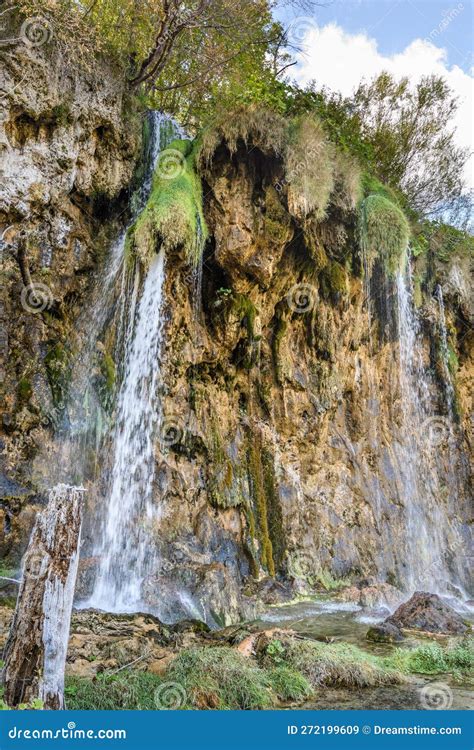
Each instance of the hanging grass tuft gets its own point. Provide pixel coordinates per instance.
(384, 233)
(173, 214)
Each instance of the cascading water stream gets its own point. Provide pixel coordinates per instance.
(448, 384)
(126, 548)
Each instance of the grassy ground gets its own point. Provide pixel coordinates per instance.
(219, 677)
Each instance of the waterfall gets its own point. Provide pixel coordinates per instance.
(448, 383)
(126, 549)
(424, 522)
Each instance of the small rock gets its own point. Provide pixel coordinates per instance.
(428, 612)
(385, 632)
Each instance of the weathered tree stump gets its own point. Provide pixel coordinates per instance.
(35, 652)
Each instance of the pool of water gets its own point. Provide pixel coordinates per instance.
(339, 621)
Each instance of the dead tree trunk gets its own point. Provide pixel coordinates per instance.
(35, 652)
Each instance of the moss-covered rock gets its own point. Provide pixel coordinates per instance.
(384, 233)
(173, 214)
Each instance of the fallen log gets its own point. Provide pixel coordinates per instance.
(35, 651)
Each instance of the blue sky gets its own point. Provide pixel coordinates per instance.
(396, 24)
(342, 42)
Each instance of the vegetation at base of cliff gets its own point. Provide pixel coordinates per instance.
(174, 212)
(128, 689)
(288, 684)
(286, 669)
(335, 664)
(384, 233)
(220, 677)
(434, 659)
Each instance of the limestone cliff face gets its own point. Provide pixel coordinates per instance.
(282, 455)
(283, 451)
(67, 153)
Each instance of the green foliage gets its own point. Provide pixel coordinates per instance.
(413, 145)
(174, 212)
(276, 651)
(126, 690)
(36, 704)
(221, 678)
(434, 659)
(329, 582)
(289, 685)
(384, 233)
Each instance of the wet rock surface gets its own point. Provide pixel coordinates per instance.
(428, 612)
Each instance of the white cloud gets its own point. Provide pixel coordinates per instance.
(333, 58)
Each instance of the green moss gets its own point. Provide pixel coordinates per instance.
(279, 331)
(106, 386)
(58, 370)
(325, 579)
(126, 690)
(384, 233)
(24, 390)
(289, 685)
(334, 282)
(315, 247)
(244, 309)
(274, 512)
(174, 212)
(223, 484)
(221, 678)
(259, 499)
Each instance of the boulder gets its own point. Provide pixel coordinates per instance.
(428, 612)
(385, 632)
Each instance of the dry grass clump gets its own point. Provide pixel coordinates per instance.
(347, 190)
(309, 162)
(338, 665)
(253, 125)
